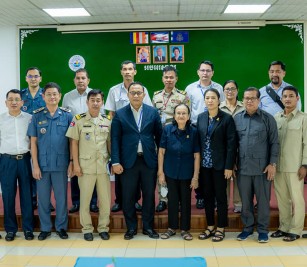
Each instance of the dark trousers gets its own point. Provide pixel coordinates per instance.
(75, 192)
(130, 180)
(214, 185)
(11, 171)
(179, 191)
(199, 193)
(260, 186)
(119, 191)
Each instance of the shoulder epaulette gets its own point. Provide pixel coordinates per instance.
(65, 109)
(181, 92)
(106, 116)
(38, 110)
(157, 92)
(79, 116)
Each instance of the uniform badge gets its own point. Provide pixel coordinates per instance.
(87, 136)
(24, 108)
(43, 130)
(72, 124)
(188, 136)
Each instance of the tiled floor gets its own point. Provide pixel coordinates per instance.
(230, 252)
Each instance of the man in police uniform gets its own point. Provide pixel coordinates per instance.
(90, 134)
(118, 98)
(165, 101)
(50, 156)
(15, 166)
(32, 100)
(75, 101)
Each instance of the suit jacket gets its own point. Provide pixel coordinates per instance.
(125, 136)
(223, 139)
(157, 58)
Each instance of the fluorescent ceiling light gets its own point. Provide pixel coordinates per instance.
(67, 12)
(246, 8)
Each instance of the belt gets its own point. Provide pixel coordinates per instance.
(140, 154)
(17, 157)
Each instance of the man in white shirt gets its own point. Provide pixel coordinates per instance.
(75, 101)
(118, 98)
(196, 92)
(15, 166)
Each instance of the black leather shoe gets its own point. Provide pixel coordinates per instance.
(29, 235)
(200, 203)
(138, 207)
(104, 235)
(94, 208)
(278, 233)
(116, 207)
(151, 233)
(74, 208)
(10, 236)
(43, 235)
(88, 237)
(62, 234)
(161, 206)
(129, 234)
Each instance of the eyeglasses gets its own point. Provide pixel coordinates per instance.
(51, 95)
(231, 89)
(203, 70)
(14, 99)
(252, 99)
(134, 93)
(33, 76)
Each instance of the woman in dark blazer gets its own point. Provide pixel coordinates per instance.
(217, 134)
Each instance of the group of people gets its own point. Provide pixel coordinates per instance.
(198, 139)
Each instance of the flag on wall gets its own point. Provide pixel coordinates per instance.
(159, 37)
(179, 36)
(139, 38)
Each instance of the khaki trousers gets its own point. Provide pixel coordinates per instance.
(291, 204)
(87, 183)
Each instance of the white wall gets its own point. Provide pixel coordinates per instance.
(9, 62)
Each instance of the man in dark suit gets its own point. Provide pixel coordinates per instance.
(135, 133)
(159, 57)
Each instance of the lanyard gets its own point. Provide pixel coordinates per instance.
(210, 126)
(166, 101)
(140, 120)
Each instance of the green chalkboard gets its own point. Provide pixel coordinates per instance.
(242, 55)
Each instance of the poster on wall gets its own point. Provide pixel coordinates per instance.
(143, 55)
(160, 54)
(176, 53)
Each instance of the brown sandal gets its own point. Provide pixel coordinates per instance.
(186, 235)
(206, 234)
(170, 232)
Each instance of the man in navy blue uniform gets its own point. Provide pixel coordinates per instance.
(135, 135)
(32, 100)
(51, 159)
(15, 166)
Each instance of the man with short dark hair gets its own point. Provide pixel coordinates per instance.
(15, 166)
(117, 99)
(291, 167)
(50, 157)
(135, 135)
(75, 100)
(196, 92)
(271, 94)
(90, 134)
(258, 154)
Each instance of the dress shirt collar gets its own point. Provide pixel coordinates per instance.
(134, 110)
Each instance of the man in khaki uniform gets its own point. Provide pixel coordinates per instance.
(90, 134)
(165, 101)
(291, 167)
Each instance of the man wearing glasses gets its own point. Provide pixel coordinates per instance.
(50, 152)
(15, 166)
(258, 155)
(196, 92)
(118, 98)
(135, 135)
